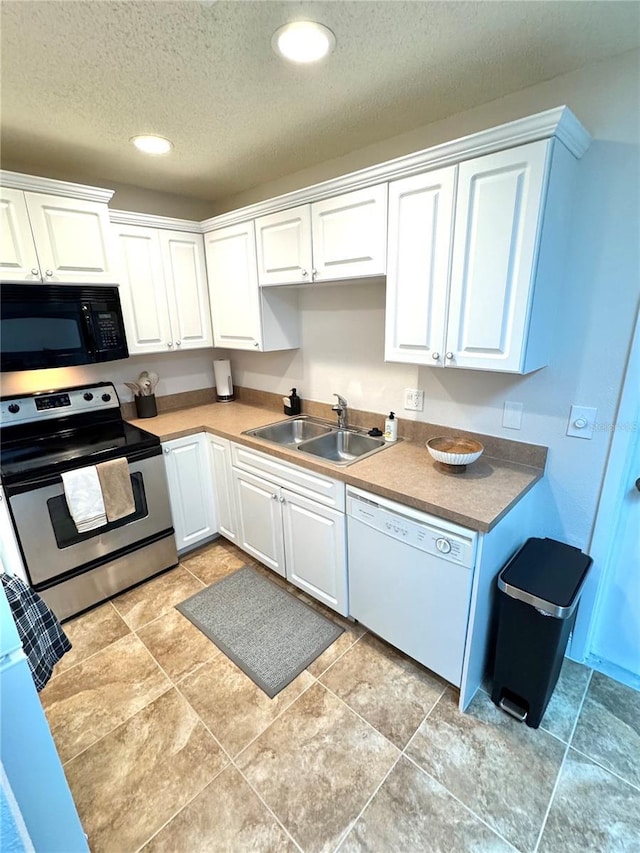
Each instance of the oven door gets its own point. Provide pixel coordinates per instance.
(50, 542)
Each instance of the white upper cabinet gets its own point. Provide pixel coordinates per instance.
(18, 255)
(164, 289)
(420, 237)
(499, 212)
(284, 247)
(55, 239)
(243, 317)
(473, 254)
(349, 235)
(187, 292)
(233, 287)
(337, 238)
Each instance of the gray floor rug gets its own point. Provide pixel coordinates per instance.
(271, 635)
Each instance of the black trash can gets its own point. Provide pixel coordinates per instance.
(538, 594)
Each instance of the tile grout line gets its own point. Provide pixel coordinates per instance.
(174, 686)
(606, 769)
(359, 716)
(232, 763)
(450, 793)
(467, 808)
(126, 720)
(345, 834)
(561, 768)
(268, 807)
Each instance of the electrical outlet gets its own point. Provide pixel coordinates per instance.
(413, 400)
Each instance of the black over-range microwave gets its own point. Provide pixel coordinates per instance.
(44, 326)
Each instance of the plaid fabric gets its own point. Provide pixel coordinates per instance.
(43, 640)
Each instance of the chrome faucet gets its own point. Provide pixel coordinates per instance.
(341, 410)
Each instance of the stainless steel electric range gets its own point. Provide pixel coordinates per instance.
(47, 433)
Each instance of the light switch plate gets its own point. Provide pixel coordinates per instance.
(582, 420)
(512, 415)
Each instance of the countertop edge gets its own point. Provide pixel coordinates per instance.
(348, 474)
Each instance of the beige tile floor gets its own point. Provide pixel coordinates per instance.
(168, 746)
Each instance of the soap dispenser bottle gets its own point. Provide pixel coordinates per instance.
(391, 428)
(292, 403)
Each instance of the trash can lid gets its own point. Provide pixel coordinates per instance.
(546, 574)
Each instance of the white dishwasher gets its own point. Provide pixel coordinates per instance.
(410, 579)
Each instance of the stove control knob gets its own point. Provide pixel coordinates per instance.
(14, 408)
(106, 397)
(88, 396)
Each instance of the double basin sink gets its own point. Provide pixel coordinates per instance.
(318, 438)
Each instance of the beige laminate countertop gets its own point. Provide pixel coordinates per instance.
(404, 472)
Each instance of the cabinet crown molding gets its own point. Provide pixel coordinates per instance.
(50, 186)
(558, 122)
(150, 220)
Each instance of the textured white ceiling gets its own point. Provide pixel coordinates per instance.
(80, 78)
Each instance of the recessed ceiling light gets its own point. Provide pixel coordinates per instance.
(152, 144)
(303, 41)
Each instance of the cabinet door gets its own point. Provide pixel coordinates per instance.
(143, 291)
(420, 235)
(284, 247)
(350, 234)
(73, 238)
(187, 294)
(233, 287)
(260, 519)
(497, 223)
(190, 490)
(18, 256)
(315, 548)
(223, 488)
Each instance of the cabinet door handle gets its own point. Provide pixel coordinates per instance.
(35, 271)
(256, 344)
(435, 356)
(314, 273)
(274, 497)
(178, 343)
(449, 355)
(48, 272)
(304, 273)
(166, 450)
(170, 344)
(281, 500)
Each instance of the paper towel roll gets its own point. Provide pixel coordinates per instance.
(222, 375)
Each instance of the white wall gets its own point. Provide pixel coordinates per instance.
(184, 371)
(343, 325)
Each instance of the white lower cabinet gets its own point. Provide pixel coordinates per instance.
(282, 525)
(224, 496)
(190, 490)
(260, 519)
(315, 546)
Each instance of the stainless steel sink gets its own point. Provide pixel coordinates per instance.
(290, 433)
(320, 439)
(342, 446)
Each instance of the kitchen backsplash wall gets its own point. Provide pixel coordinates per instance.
(178, 372)
(343, 325)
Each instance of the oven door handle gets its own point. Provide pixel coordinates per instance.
(30, 484)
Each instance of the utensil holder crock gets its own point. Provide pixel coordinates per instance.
(146, 406)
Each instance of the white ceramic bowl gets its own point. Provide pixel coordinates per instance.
(450, 450)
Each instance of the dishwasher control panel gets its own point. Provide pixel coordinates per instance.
(426, 533)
